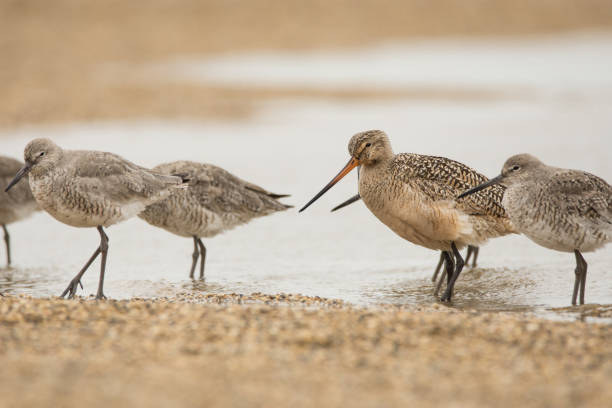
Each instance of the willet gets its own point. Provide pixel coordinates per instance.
(89, 189)
(15, 205)
(216, 201)
(471, 250)
(416, 197)
(560, 209)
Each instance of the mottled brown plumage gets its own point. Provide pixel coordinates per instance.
(16, 204)
(416, 197)
(214, 202)
(471, 251)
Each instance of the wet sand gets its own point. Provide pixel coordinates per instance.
(281, 350)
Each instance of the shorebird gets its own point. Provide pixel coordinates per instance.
(416, 197)
(560, 209)
(85, 188)
(216, 201)
(15, 205)
(471, 250)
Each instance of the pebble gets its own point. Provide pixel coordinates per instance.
(216, 349)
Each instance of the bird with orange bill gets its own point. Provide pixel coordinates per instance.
(416, 197)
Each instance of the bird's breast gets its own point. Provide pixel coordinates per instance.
(411, 214)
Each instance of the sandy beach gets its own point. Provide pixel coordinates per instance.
(281, 350)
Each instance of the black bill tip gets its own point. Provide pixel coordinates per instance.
(482, 186)
(24, 170)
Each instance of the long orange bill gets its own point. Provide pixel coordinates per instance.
(484, 185)
(346, 170)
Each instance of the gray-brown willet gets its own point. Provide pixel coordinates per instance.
(216, 201)
(560, 209)
(471, 250)
(16, 204)
(89, 189)
(416, 197)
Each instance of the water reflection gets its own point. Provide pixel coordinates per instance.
(34, 281)
(486, 289)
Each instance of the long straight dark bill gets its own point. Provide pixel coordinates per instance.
(24, 170)
(346, 170)
(484, 185)
(347, 202)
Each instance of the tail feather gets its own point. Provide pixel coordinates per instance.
(277, 196)
(260, 190)
(185, 177)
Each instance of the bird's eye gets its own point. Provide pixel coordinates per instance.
(41, 154)
(368, 144)
(515, 168)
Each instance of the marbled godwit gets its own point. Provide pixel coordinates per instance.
(15, 205)
(560, 209)
(471, 250)
(89, 189)
(216, 201)
(416, 197)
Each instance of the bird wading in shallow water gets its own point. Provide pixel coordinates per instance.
(85, 188)
(561, 209)
(216, 201)
(416, 197)
(472, 251)
(16, 204)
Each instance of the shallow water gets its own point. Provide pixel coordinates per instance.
(576, 63)
(296, 147)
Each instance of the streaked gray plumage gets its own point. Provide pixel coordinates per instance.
(85, 188)
(90, 189)
(214, 202)
(560, 209)
(15, 204)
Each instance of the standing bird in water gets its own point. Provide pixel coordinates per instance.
(216, 201)
(15, 205)
(416, 197)
(85, 188)
(471, 250)
(560, 209)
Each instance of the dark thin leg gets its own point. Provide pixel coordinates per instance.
(472, 252)
(203, 257)
(475, 251)
(104, 251)
(194, 257)
(74, 283)
(580, 281)
(468, 255)
(440, 262)
(7, 242)
(458, 268)
(448, 270)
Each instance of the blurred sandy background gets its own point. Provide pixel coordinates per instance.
(65, 60)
